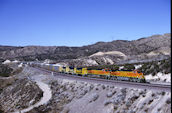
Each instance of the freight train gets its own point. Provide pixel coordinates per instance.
(122, 75)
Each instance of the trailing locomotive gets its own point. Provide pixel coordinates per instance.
(122, 75)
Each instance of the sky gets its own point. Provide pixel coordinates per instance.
(80, 22)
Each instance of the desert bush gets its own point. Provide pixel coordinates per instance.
(142, 92)
(118, 98)
(111, 86)
(159, 109)
(114, 67)
(0, 92)
(97, 88)
(110, 94)
(134, 97)
(17, 71)
(40, 95)
(129, 67)
(168, 101)
(150, 101)
(124, 90)
(1, 111)
(146, 110)
(115, 107)
(154, 67)
(144, 95)
(91, 87)
(153, 94)
(5, 70)
(107, 102)
(163, 93)
(103, 87)
(1, 60)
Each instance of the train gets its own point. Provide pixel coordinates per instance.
(122, 75)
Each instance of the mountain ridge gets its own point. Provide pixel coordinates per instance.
(132, 48)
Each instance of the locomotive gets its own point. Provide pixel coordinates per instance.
(122, 75)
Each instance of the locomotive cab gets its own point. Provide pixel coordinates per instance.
(140, 75)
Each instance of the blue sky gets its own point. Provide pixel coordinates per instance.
(80, 22)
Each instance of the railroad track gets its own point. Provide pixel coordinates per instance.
(125, 84)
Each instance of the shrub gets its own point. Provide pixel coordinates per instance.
(107, 102)
(103, 87)
(1, 111)
(163, 93)
(153, 94)
(129, 67)
(0, 92)
(5, 70)
(17, 71)
(97, 88)
(159, 109)
(143, 95)
(146, 110)
(168, 101)
(150, 101)
(110, 94)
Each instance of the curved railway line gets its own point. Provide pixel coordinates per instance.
(125, 84)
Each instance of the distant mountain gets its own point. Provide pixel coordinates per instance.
(156, 46)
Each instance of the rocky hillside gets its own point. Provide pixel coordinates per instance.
(156, 46)
(81, 97)
(71, 96)
(18, 95)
